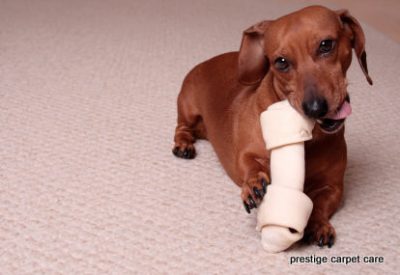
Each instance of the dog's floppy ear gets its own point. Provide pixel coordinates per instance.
(358, 40)
(253, 65)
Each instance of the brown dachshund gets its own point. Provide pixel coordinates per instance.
(302, 57)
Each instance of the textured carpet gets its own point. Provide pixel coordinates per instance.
(88, 184)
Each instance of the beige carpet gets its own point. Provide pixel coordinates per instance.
(88, 184)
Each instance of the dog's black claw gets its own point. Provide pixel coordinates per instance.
(252, 203)
(247, 207)
(264, 185)
(321, 242)
(186, 153)
(177, 152)
(308, 238)
(331, 241)
(257, 193)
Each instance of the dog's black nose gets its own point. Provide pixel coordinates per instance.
(315, 108)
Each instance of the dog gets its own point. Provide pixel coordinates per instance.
(302, 57)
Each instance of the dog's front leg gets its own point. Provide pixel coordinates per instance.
(253, 179)
(326, 200)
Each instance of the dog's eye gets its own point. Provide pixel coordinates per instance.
(326, 46)
(281, 64)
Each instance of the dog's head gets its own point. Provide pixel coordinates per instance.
(306, 55)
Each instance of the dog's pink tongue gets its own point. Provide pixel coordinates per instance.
(343, 112)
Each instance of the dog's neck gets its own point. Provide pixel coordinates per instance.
(266, 94)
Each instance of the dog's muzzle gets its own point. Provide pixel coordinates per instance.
(332, 124)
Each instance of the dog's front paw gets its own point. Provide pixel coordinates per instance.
(253, 191)
(184, 150)
(320, 232)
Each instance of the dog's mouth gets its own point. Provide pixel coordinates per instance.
(333, 123)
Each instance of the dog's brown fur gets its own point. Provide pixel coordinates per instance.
(222, 98)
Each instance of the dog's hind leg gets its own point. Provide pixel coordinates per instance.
(190, 125)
